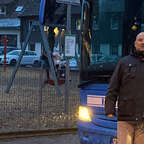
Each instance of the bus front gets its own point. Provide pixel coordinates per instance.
(101, 48)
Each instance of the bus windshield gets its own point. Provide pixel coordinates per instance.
(102, 30)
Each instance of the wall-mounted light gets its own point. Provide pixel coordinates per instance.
(56, 31)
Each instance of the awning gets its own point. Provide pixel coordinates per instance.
(10, 22)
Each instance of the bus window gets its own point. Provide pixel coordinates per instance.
(102, 33)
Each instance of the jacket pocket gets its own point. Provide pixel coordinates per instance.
(130, 71)
(126, 107)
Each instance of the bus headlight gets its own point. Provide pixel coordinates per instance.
(84, 114)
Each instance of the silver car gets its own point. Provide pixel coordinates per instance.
(29, 58)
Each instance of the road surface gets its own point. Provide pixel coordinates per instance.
(54, 139)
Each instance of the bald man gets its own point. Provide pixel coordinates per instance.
(127, 87)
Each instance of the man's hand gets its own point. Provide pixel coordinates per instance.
(110, 115)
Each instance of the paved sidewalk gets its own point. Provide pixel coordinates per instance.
(55, 139)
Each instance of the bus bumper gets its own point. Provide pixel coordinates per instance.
(89, 133)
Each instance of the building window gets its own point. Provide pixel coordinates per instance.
(142, 27)
(114, 49)
(2, 10)
(114, 22)
(11, 40)
(95, 53)
(19, 8)
(96, 48)
(95, 23)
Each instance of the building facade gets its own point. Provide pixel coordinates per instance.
(9, 23)
(16, 17)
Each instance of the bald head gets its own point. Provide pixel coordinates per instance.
(141, 34)
(139, 42)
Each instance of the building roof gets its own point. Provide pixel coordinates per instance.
(30, 8)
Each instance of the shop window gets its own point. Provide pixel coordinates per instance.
(95, 23)
(2, 10)
(114, 22)
(114, 49)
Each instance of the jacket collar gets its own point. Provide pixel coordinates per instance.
(138, 54)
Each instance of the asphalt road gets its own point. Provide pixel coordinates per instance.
(54, 139)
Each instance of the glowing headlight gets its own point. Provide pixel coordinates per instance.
(84, 114)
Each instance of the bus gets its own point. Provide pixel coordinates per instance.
(108, 31)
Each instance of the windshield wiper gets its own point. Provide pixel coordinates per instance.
(97, 79)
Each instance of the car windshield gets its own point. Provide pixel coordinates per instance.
(107, 59)
(14, 53)
(31, 53)
(7, 50)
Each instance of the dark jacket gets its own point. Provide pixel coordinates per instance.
(127, 86)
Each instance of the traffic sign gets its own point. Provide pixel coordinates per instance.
(70, 45)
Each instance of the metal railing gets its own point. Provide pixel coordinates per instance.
(30, 106)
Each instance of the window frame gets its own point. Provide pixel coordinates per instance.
(113, 24)
(4, 10)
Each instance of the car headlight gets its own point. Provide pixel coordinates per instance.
(84, 114)
(7, 58)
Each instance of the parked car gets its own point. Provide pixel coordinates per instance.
(7, 50)
(105, 63)
(29, 58)
(108, 59)
(72, 63)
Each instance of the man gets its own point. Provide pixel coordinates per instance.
(127, 87)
